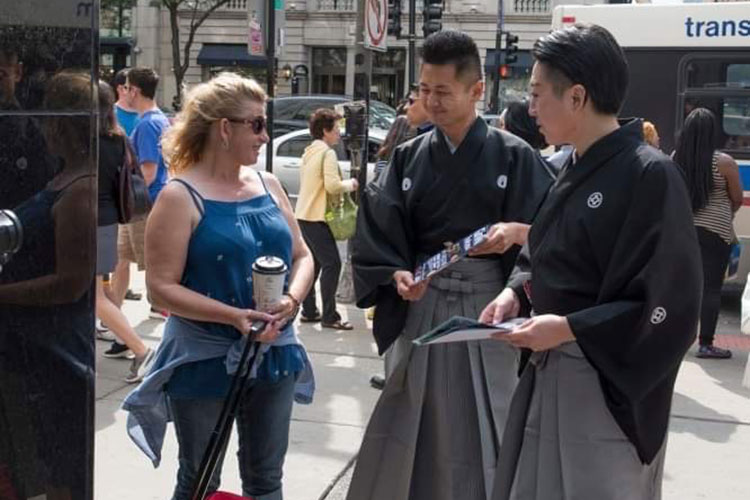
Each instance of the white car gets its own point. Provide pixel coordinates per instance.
(287, 157)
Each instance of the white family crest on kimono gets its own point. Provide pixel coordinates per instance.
(658, 315)
(406, 184)
(595, 200)
(502, 181)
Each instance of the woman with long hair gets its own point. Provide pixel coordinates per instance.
(205, 231)
(112, 144)
(713, 181)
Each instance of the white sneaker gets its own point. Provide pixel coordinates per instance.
(102, 332)
(140, 367)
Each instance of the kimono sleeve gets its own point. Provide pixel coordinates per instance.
(381, 246)
(531, 181)
(646, 316)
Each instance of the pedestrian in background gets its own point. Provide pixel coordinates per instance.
(205, 231)
(713, 180)
(112, 145)
(320, 177)
(515, 119)
(126, 116)
(651, 135)
(140, 88)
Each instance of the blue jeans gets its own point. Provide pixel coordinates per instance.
(263, 428)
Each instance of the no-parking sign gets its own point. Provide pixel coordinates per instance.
(376, 24)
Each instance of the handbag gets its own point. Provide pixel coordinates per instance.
(341, 214)
(133, 200)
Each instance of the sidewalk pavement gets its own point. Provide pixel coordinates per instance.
(708, 450)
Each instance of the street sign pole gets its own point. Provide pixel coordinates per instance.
(412, 42)
(494, 100)
(270, 77)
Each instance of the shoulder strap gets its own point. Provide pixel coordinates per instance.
(76, 179)
(197, 198)
(260, 176)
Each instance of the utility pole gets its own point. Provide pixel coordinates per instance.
(270, 77)
(494, 100)
(412, 42)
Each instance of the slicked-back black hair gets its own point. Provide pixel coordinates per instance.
(696, 144)
(456, 48)
(588, 55)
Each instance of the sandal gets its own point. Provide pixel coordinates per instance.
(338, 325)
(309, 319)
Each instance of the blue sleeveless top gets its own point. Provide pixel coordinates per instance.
(221, 252)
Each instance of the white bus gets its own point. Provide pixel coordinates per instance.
(683, 56)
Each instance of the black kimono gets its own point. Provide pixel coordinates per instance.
(428, 196)
(435, 430)
(614, 250)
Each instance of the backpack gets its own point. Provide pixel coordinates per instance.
(133, 201)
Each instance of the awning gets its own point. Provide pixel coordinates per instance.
(109, 44)
(226, 54)
(524, 60)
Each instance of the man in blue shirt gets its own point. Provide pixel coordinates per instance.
(140, 91)
(126, 117)
(146, 137)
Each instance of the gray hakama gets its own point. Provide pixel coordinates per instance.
(562, 442)
(436, 429)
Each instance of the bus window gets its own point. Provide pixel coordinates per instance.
(720, 83)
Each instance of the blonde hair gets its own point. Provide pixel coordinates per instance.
(184, 142)
(649, 133)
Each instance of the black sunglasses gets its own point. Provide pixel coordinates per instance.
(257, 124)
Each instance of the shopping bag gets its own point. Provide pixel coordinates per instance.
(341, 216)
(745, 309)
(735, 252)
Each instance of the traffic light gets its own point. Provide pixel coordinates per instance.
(394, 18)
(432, 13)
(511, 47)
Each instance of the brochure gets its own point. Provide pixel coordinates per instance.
(452, 253)
(460, 329)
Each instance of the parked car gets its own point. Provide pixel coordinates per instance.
(287, 157)
(293, 112)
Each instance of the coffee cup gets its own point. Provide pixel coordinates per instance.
(269, 275)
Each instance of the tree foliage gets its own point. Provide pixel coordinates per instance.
(197, 11)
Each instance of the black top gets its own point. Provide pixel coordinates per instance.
(429, 196)
(614, 250)
(25, 165)
(111, 158)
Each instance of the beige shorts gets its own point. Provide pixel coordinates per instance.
(130, 243)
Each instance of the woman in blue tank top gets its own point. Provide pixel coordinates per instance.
(207, 228)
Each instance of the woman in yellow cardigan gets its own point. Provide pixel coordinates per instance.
(320, 176)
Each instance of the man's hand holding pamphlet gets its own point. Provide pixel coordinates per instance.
(461, 329)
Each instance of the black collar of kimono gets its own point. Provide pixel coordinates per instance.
(577, 170)
(469, 147)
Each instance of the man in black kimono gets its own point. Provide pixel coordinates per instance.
(435, 431)
(615, 291)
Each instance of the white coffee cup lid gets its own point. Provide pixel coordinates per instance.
(269, 264)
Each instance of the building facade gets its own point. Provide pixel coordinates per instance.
(317, 47)
(317, 44)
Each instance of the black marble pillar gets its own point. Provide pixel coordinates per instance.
(48, 153)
